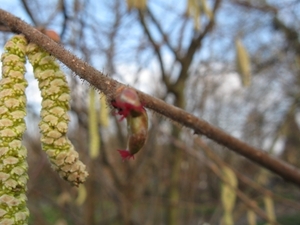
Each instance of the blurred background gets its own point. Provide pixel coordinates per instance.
(234, 63)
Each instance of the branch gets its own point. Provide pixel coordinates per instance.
(27, 9)
(165, 37)
(65, 18)
(155, 46)
(261, 7)
(108, 87)
(195, 44)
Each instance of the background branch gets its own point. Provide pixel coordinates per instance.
(108, 87)
(156, 47)
(215, 168)
(27, 9)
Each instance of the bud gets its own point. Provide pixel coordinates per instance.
(137, 126)
(129, 106)
(127, 101)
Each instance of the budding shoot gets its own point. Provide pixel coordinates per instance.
(129, 106)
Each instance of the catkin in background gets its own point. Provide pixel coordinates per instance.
(228, 195)
(243, 63)
(94, 138)
(251, 217)
(269, 206)
(103, 111)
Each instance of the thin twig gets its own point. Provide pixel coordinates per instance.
(261, 7)
(162, 33)
(156, 48)
(28, 10)
(65, 18)
(108, 87)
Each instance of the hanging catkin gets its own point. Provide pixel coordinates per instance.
(54, 118)
(13, 165)
(243, 63)
(94, 138)
(228, 195)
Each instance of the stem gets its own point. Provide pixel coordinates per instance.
(108, 87)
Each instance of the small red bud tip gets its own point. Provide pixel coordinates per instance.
(125, 154)
(126, 102)
(124, 108)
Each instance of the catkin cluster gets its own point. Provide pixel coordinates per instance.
(13, 165)
(54, 117)
(53, 125)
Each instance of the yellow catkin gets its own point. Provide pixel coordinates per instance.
(138, 4)
(130, 4)
(194, 10)
(94, 139)
(81, 195)
(208, 12)
(141, 4)
(103, 112)
(54, 117)
(269, 206)
(243, 63)
(228, 195)
(13, 165)
(251, 217)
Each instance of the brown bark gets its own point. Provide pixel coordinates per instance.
(108, 87)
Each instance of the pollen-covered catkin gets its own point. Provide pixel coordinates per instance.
(13, 165)
(54, 118)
